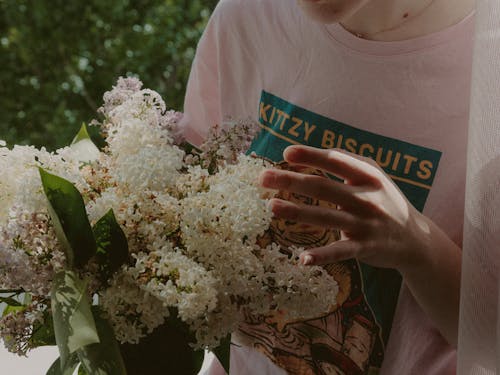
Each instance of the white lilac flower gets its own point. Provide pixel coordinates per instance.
(177, 281)
(120, 93)
(16, 328)
(154, 168)
(227, 141)
(170, 122)
(23, 188)
(194, 181)
(146, 217)
(145, 106)
(132, 312)
(232, 207)
(192, 222)
(298, 291)
(30, 254)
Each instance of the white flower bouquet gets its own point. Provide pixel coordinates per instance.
(137, 258)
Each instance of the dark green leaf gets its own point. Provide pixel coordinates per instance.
(74, 325)
(166, 350)
(112, 246)
(181, 328)
(10, 301)
(223, 351)
(11, 291)
(68, 214)
(57, 369)
(190, 148)
(43, 334)
(103, 358)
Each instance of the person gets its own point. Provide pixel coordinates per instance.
(375, 94)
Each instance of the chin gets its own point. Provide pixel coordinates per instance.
(330, 11)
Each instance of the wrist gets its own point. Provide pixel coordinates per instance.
(418, 257)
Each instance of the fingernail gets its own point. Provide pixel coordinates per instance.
(289, 153)
(264, 178)
(269, 204)
(307, 260)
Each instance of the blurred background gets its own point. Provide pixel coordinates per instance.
(58, 57)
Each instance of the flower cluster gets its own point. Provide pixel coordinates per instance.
(192, 219)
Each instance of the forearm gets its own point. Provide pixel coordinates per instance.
(434, 280)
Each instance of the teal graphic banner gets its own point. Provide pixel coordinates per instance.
(412, 167)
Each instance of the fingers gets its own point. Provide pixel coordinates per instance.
(314, 215)
(353, 168)
(313, 186)
(333, 253)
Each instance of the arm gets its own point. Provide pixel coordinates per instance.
(379, 227)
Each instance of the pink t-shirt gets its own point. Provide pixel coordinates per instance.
(405, 104)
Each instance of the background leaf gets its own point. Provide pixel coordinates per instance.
(68, 214)
(53, 78)
(74, 325)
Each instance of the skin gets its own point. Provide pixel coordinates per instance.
(378, 224)
(389, 20)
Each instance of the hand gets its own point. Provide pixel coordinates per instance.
(378, 224)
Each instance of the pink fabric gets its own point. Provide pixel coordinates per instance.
(415, 91)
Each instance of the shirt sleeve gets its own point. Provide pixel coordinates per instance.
(202, 107)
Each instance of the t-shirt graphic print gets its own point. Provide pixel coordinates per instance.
(351, 338)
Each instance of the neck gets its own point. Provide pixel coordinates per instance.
(392, 20)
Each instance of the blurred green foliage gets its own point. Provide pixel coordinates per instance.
(58, 57)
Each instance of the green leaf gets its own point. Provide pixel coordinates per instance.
(83, 134)
(71, 223)
(74, 325)
(27, 299)
(223, 351)
(190, 148)
(81, 370)
(112, 246)
(103, 358)
(57, 368)
(43, 334)
(12, 309)
(82, 146)
(12, 291)
(180, 328)
(10, 301)
(13, 305)
(166, 350)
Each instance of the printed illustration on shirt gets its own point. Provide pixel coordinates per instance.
(351, 338)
